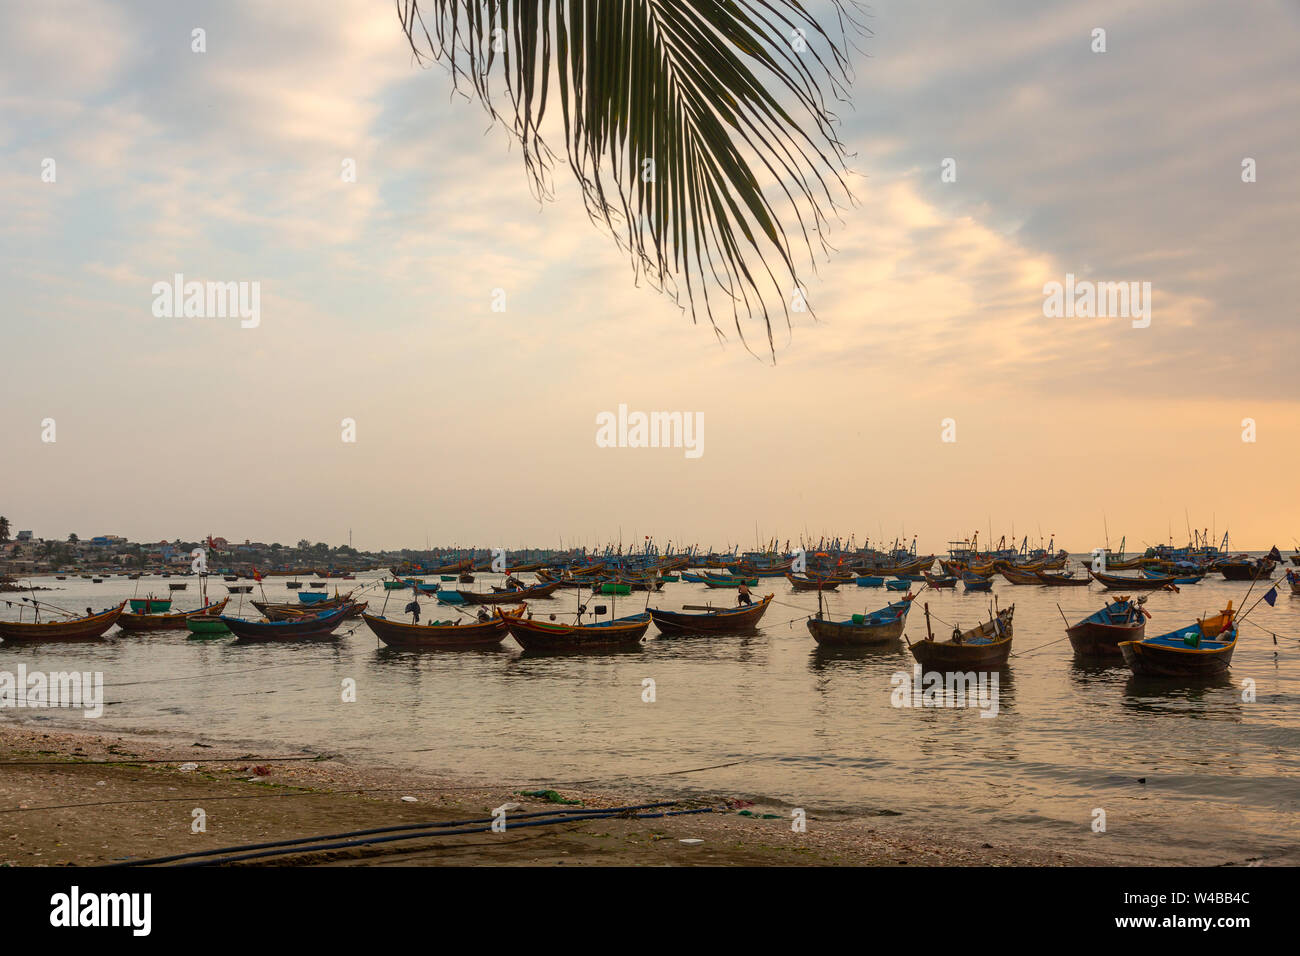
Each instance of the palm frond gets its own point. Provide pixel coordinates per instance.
(685, 85)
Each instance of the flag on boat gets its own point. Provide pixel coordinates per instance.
(1271, 596)
(1275, 555)
(257, 575)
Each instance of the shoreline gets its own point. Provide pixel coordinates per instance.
(62, 804)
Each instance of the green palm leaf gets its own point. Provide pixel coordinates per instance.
(679, 83)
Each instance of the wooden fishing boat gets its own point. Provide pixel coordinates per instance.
(534, 635)
(206, 625)
(863, 630)
(395, 585)
(986, 647)
(1178, 579)
(976, 582)
(313, 597)
(1293, 579)
(299, 628)
(1101, 632)
(941, 581)
(87, 628)
(1120, 582)
(693, 619)
(1246, 569)
(1018, 575)
(239, 588)
(909, 567)
(1063, 580)
(177, 587)
(718, 582)
(150, 605)
(1202, 650)
(870, 581)
(278, 611)
(166, 622)
(448, 634)
(808, 583)
(230, 577)
(293, 585)
(509, 596)
(901, 584)
(318, 584)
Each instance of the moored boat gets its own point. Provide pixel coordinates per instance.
(1203, 649)
(448, 634)
(150, 605)
(206, 625)
(986, 647)
(87, 628)
(1101, 632)
(535, 635)
(976, 582)
(166, 622)
(808, 583)
(941, 581)
(1066, 580)
(1120, 582)
(509, 596)
(884, 626)
(298, 628)
(693, 619)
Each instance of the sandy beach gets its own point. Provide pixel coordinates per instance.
(62, 803)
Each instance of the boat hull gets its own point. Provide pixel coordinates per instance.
(848, 634)
(541, 636)
(1090, 639)
(1155, 660)
(724, 621)
(88, 628)
(137, 623)
(401, 634)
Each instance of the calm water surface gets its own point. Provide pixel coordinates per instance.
(799, 726)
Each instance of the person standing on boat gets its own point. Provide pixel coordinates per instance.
(413, 609)
(743, 595)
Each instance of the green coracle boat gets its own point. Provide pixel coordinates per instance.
(206, 625)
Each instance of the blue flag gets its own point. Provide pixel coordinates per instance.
(1271, 597)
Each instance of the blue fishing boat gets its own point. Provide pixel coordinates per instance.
(976, 582)
(1189, 579)
(1203, 649)
(869, 581)
(1101, 632)
(863, 630)
(449, 597)
(900, 584)
(313, 597)
(692, 578)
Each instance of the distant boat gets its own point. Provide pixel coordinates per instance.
(178, 587)
(1066, 580)
(395, 585)
(941, 582)
(312, 597)
(293, 585)
(318, 584)
(868, 581)
(1121, 582)
(808, 583)
(975, 582)
(150, 605)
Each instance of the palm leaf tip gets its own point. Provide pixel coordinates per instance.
(726, 99)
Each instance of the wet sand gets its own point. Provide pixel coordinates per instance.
(61, 804)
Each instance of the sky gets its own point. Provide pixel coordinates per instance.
(475, 426)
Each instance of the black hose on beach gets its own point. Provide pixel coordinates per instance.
(314, 845)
